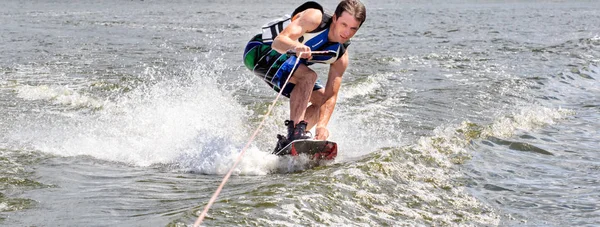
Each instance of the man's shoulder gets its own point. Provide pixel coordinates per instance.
(308, 5)
(310, 19)
(313, 15)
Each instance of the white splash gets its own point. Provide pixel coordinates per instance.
(63, 95)
(192, 122)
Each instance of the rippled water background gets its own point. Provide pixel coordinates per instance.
(128, 113)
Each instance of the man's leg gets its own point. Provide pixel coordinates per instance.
(312, 112)
(304, 79)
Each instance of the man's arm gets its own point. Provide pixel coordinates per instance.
(334, 82)
(303, 22)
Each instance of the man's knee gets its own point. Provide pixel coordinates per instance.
(304, 74)
(311, 75)
(317, 96)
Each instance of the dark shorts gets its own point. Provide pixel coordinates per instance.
(271, 66)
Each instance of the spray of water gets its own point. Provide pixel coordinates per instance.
(187, 120)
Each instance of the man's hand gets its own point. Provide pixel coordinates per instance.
(303, 51)
(321, 133)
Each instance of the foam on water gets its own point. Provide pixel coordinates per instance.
(529, 118)
(449, 143)
(428, 175)
(364, 87)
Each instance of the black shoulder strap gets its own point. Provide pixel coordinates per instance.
(343, 48)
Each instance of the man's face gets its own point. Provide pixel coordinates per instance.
(343, 28)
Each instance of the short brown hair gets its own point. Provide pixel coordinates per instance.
(354, 8)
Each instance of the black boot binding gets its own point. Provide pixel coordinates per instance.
(282, 140)
(293, 133)
(300, 132)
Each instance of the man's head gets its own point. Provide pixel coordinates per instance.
(347, 19)
(354, 7)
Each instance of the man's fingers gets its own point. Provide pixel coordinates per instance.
(303, 52)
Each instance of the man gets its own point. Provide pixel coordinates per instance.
(308, 29)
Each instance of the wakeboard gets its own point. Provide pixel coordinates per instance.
(314, 149)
